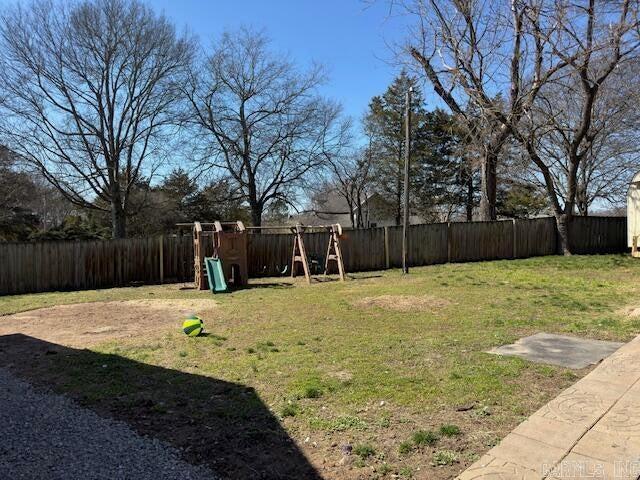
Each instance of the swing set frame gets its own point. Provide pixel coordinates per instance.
(299, 253)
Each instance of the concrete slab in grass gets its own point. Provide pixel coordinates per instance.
(561, 350)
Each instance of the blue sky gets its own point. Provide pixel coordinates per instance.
(349, 37)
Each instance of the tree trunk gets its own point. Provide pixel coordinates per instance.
(469, 199)
(353, 215)
(118, 219)
(581, 201)
(488, 186)
(361, 216)
(583, 209)
(562, 223)
(256, 214)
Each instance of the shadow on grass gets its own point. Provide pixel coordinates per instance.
(274, 285)
(217, 423)
(366, 277)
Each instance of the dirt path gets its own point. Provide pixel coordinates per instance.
(87, 324)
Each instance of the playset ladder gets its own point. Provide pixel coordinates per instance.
(334, 253)
(198, 257)
(299, 253)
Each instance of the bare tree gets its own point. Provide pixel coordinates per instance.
(349, 176)
(614, 151)
(487, 62)
(90, 90)
(568, 126)
(260, 118)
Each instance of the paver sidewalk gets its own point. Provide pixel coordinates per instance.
(589, 431)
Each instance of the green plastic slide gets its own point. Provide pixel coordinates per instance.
(215, 275)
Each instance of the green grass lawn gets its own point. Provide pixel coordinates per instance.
(407, 392)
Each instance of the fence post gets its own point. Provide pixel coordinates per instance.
(515, 238)
(161, 258)
(387, 262)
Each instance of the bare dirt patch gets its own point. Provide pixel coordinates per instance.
(404, 303)
(86, 324)
(631, 311)
(342, 375)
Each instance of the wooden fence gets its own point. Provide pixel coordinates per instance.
(75, 265)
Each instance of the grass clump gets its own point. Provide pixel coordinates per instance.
(444, 457)
(406, 472)
(425, 437)
(450, 430)
(384, 421)
(340, 424)
(405, 448)
(364, 450)
(311, 391)
(289, 410)
(348, 423)
(267, 347)
(311, 386)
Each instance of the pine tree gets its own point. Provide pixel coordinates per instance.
(385, 125)
(442, 175)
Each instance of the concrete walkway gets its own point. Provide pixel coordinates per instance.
(589, 431)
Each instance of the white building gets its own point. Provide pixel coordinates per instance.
(633, 211)
(374, 210)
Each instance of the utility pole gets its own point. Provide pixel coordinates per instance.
(407, 160)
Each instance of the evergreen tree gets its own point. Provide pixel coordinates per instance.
(442, 176)
(179, 199)
(517, 199)
(441, 180)
(385, 125)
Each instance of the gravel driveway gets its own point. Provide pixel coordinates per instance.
(47, 436)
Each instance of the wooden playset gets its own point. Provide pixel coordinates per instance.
(220, 253)
(227, 265)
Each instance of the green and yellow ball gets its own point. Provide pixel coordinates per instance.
(193, 326)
